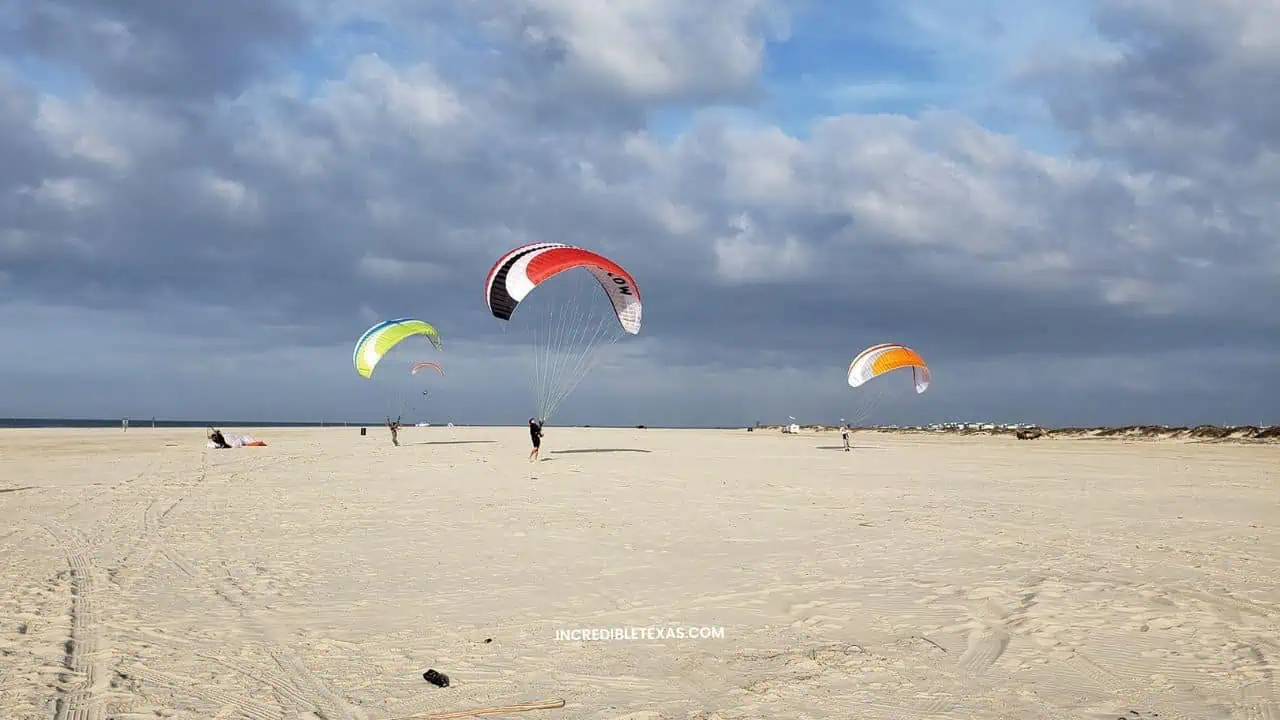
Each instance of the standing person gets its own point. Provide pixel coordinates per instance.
(844, 435)
(535, 436)
(124, 423)
(394, 427)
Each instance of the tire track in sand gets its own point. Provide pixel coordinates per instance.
(85, 687)
(223, 700)
(85, 655)
(963, 685)
(1241, 658)
(971, 682)
(146, 542)
(127, 570)
(1259, 699)
(290, 702)
(981, 646)
(302, 687)
(21, 534)
(1124, 693)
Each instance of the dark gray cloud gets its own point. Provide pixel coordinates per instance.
(156, 49)
(217, 220)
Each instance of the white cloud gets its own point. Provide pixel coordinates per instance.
(236, 200)
(416, 99)
(654, 49)
(67, 193)
(745, 256)
(104, 131)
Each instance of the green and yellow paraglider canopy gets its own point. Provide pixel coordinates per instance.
(379, 339)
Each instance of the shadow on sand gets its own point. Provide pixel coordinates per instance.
(9, 490)
(851, 447)
(454, 442)
(599, 450)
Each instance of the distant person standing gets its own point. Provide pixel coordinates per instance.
(124, 424)
(394, 427)
(535, 436)
(844, 435)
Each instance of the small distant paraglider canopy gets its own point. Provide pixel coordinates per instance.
(378, 340)
(885, 358)
(424, 365)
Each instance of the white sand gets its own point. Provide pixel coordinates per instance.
(144, 576)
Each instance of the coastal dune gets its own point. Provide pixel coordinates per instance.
(143, 575)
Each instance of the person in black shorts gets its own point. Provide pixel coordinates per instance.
(535, 435)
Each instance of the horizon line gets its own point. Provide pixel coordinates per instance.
(14, 423)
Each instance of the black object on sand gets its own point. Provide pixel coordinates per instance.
(435, 678)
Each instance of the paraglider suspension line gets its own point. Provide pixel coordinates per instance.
(567, 339)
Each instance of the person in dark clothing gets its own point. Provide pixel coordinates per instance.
(219, 442)
(535, 435)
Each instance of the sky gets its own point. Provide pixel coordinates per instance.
(1067, 207)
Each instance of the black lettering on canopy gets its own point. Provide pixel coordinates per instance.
(623, 286)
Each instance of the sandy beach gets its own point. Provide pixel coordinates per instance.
(145, 576)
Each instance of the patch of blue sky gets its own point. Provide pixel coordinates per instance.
(668, 123)
(911, 56)
(984, 46)
(835, 47)
(48, 78)
(828, 46)
(908, 57)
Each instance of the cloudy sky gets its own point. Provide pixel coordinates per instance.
(1068, 207)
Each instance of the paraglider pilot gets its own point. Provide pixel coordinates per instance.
(394, 427)
(219, 442)
(535, 436)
